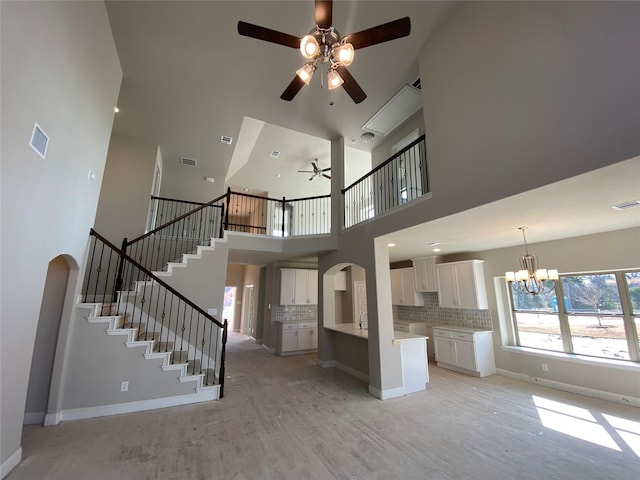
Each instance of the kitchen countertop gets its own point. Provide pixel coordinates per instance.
(355, 331)
(461, 329)
(309, 320)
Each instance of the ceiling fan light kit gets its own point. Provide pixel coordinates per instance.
(324, 45)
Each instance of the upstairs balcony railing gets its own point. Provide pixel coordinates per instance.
(183, 225)
(397, 181)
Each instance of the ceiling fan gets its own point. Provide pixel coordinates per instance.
(324, 46)
(317, 171)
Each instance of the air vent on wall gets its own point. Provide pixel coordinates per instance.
(417, 84)
(189, 162)
(626, 205)
(39, 140)
(404, 104)
(226, 140)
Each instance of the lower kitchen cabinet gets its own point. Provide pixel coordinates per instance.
(465, 350)
(293, 338)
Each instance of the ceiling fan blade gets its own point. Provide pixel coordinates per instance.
(326, 169)
(268, 35)
(293, 89)
(326, 176)
(312, 177)
(380, 34)
(305, 171)
(350, 85)
(324, 13)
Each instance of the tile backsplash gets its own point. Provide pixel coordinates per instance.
(296, 313)
(432, 314)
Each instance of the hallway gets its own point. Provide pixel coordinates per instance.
(286, 418)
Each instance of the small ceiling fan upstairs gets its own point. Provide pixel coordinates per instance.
(324, 46)
(317, 171)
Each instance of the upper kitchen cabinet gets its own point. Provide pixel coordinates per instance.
(403, 291)
(461, 285)
(298, 286)
(424, 273)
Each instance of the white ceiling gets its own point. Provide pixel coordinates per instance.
(189, 78)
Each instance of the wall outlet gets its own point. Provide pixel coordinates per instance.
(545, 367)
(124, 386)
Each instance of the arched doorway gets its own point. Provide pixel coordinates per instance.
(44, 349)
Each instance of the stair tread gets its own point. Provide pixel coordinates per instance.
(163, 347)
(179, 357)
(148, 337)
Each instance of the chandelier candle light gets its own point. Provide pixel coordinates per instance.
(531, 279)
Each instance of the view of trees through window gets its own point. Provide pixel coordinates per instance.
(599, 315)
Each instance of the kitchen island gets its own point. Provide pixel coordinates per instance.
(413, 352)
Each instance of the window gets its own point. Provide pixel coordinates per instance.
(599, 316)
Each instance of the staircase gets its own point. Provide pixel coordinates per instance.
(142, 306)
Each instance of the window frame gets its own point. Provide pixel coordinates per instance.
(627, 315)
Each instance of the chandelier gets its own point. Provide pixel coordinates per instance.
(324, 45)
(530, 278)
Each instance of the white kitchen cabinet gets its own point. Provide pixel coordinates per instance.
(461, 285)
(465, 350)
(298, 286)
(289, 337)
(424, 274)
(403, 291)
(417, 328)
(307, 336)
(295, 337)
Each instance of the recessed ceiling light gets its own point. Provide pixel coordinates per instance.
(274, 154)
(391, 244)
(277, 175)
(209, 179)
(436, 249)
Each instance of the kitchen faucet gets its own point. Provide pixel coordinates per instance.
(363, 314)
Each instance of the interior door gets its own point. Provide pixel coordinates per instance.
(249, 316)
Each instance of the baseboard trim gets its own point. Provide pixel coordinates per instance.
(326, 363)
(352, 371)
(387, 394)
(33, 418)
(139, 406)
(11, 463)
(567, 387)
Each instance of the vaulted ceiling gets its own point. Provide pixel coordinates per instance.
(190, 78)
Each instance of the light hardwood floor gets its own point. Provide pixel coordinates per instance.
(287, 418)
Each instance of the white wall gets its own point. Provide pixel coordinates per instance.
(187, 183)
(509, 86)
(126, 189)
(573, 255)
(60, 69)
(382, 152)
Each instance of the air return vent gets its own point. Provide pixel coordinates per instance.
(226, 140)
(626, 205)
(189, 162)
(39, 140)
